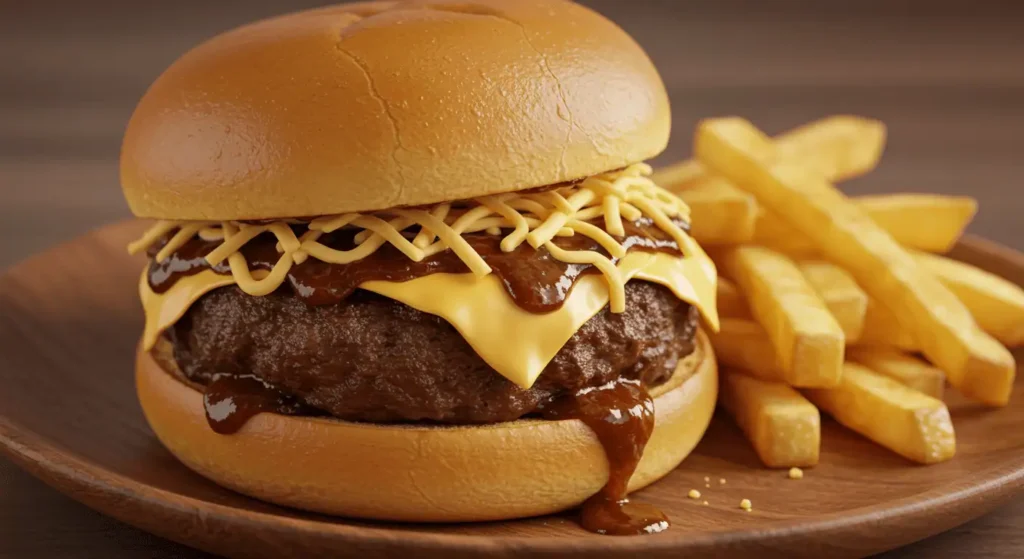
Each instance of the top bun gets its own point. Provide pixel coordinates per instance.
(366, 106)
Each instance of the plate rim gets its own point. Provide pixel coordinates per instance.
(93, 485)
(57, 467)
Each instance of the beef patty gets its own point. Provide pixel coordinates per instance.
(370, 358)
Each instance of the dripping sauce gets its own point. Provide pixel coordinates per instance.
(232, 400)
(621, 414)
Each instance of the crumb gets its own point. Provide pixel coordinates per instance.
(721, 481)
(694, 494)
(704, 503)
(796, 473)
(706, 479)
(746, 505)
(707, 485)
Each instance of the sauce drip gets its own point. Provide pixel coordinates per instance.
(232, 400)
(621, 414)
(535, 280)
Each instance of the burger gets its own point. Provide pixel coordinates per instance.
(408, 264)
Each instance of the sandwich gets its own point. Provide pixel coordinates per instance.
(407, 263)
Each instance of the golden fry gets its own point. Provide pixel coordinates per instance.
(721, 213)
(745, 345)
(730, 301)
(995, 303)
(679, 176)
(882, 328)
(899, 418)
(772, 232)
(974, 362)
(808, 340)
(928, 222)
(839, 147)
(843, 297)
(904, 369)
(783, 427)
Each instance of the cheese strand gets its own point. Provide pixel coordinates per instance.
(534, 217)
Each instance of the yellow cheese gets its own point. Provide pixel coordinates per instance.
(164, 309)
(516, 343)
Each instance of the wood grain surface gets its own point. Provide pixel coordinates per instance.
(947, 77)
(68, 323)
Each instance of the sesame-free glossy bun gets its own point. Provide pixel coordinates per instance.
(366, 106)
(415, 472)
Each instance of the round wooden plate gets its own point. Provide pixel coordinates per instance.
(69, 322)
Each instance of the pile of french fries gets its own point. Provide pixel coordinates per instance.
(840, 304)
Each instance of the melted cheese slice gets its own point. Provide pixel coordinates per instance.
(518, 344)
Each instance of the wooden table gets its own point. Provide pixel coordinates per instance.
(948, 81)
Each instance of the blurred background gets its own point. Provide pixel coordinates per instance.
(947, 78)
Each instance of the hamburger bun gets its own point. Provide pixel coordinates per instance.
(368, 106)
(414, 472)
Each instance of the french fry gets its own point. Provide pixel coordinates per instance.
(973, 361)
(745, 345)
(911, 424)
(995, 303)
(730, 301)
(842, 147)
(882, 328)
(841, 294)
(805, 335)
(928, 222)
(783, 427)
(679, 176)
(772, 232)
(904, 369)
(844, 298)
(721, 213)
(839, 147)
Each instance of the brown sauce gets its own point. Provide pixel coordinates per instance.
(232, 400)
(621, 414)
(532, 278)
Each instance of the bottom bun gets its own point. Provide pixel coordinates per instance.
(420, 473)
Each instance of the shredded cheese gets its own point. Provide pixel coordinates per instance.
(516, 343)
(535, 218)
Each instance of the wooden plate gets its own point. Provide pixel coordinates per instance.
(69, 321)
